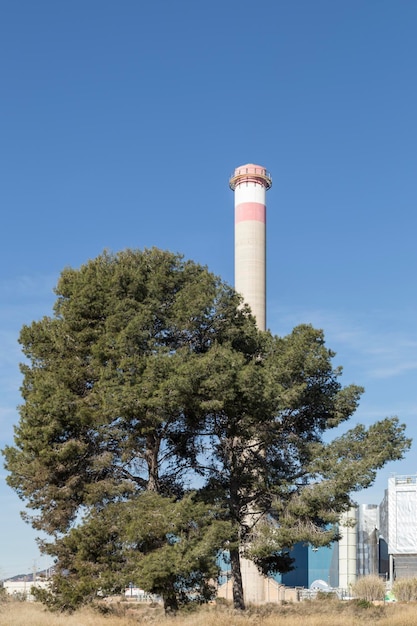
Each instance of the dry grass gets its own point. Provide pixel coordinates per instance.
(324, 613)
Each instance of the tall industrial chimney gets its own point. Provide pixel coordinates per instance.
(250, 183)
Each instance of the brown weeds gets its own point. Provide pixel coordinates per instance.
(317, 613)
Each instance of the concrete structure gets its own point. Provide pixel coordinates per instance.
(272, 591)
(348, 548)
(250, 183)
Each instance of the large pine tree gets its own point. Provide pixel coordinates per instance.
(151, 378)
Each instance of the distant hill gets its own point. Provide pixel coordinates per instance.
(46, 573)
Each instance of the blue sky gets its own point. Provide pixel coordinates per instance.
(120, 124)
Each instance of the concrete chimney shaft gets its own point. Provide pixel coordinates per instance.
(250, 183)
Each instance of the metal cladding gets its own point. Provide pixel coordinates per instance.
(250, 183)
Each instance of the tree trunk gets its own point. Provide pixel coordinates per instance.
(170, 603)
(151, 458)
(238, 599)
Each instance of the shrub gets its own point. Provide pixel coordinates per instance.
(369, 588)
(3, 594)
(363, 604)
(405, 589)
(326, 596)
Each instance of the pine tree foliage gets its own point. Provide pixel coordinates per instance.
(109, 380)
(170, 545)
(150, 378)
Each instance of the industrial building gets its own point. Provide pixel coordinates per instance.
(375, 540)
(22, 589)
(398, 526)
(387, 533)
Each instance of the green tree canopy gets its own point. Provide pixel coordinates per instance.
(168, 544)
(272, 466)
(110, 379)
(150, 374)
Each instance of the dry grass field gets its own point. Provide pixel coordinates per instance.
(318, 613)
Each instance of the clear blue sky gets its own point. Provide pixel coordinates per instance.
(120, 123)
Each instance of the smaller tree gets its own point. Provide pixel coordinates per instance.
(173, 547)
(169, 548)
